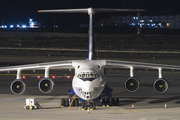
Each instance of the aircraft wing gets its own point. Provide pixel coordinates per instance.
(38, 66)
(126, 64)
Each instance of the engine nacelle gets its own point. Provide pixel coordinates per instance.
(46, 85)
(131, 84)
(18, 86)
(160, 85)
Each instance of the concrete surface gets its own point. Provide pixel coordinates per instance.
(148, 104)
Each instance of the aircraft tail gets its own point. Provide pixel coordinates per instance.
(91, 12)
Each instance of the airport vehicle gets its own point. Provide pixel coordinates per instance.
(89, 81)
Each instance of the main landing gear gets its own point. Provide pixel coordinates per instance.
(65, 102)
(106, 102)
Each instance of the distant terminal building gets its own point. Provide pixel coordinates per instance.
(145, 21)
(32, 24)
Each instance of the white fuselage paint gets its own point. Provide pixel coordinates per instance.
(86, 87)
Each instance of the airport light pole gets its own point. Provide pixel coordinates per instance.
(138, 25)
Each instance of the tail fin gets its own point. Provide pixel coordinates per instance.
(91, 54)
(91, 12)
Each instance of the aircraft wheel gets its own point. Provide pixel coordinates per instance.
(67, 102)
(85, 106)
(113, 102)
(103, 102)
(73, 104)
(62, 102)
(76, 102)
(91, 106)
(107, 102)
(94, 106)
(117, 101)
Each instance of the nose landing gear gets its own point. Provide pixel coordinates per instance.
(91, 105)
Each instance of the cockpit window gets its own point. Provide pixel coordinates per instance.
(87, 75)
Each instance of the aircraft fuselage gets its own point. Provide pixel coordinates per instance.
(89, 79)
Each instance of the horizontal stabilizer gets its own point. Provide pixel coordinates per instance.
(89, 10)
(117, 10)
(65, 11)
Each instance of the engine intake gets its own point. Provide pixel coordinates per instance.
(160, 85)
(131, 84)
(46, 85)
(18, 87)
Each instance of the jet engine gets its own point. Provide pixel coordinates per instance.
(18, 86)
(131, 84)
(46, 85)
(160, 85)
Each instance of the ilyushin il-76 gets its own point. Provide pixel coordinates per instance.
(89, 81)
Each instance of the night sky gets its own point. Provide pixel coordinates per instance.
(19, 11)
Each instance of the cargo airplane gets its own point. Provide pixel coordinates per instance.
(89, 81)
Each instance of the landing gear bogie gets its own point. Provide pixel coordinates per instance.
(65, 102)
(106, 102)
(90, 105)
